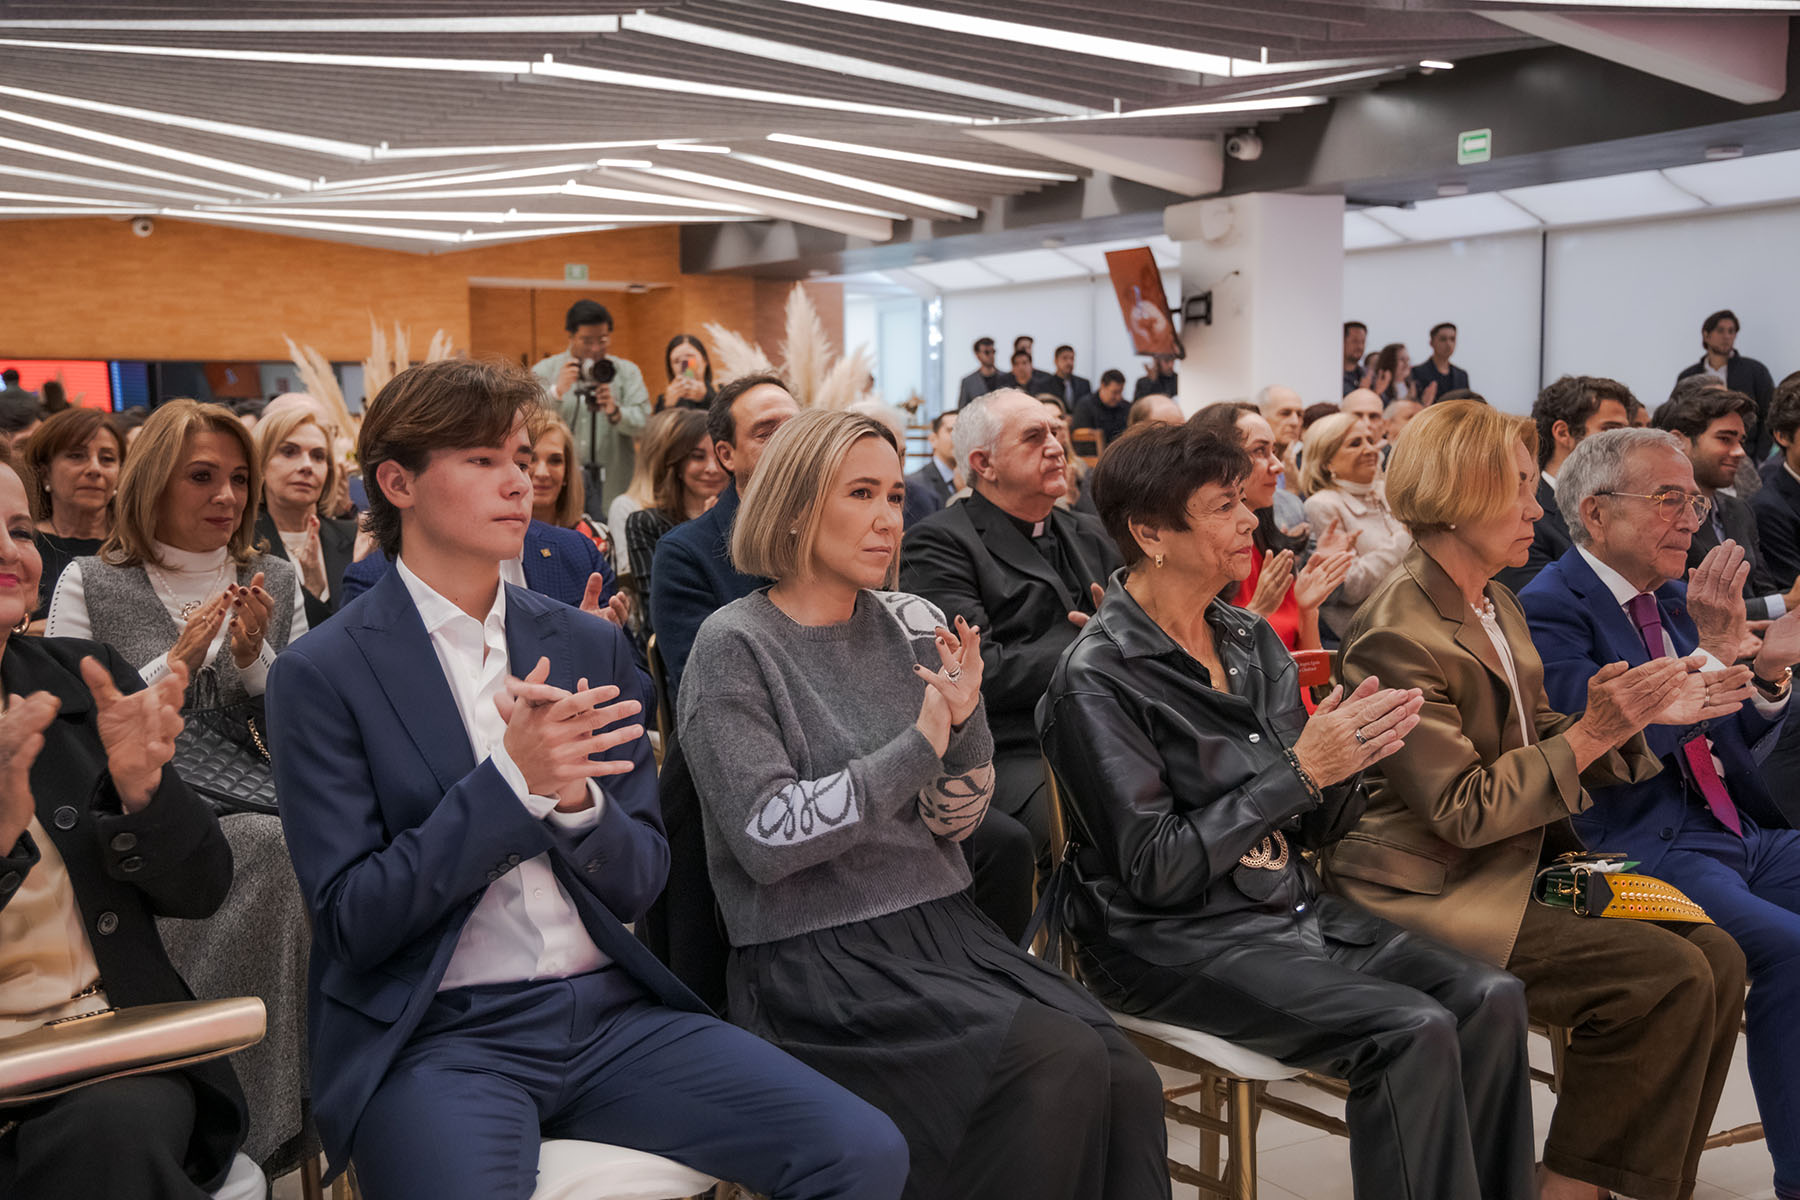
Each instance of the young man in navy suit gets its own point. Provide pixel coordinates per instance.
(471, 810)
(1708, 822)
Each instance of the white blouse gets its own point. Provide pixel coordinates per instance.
(186, 578)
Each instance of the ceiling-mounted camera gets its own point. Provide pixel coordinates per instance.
(1245, 147)
(143, 226)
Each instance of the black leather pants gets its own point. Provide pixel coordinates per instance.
(1431, 1042)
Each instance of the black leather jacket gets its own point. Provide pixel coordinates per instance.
(1168, 782)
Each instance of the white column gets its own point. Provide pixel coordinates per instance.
(1275, 266)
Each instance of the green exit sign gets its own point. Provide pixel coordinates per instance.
(574, 272)
(1474, 146)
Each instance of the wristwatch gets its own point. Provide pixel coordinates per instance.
(1773, 690)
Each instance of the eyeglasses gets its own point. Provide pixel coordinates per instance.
(1669, 503)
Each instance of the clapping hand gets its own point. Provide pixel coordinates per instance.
(617, 610)
(1321, 577)
(198, 632)
(1347, 734)
(550, 734)
(1622, 700)
(1715, 600)
(1336, 538)
(311, 559)
(1080, 619)
(960, 679)
(1272, 584)
(23, 720)
(138, 731)
(1780, 646)
(251, 608)
(1707, 695)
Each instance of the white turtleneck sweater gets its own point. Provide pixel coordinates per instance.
(186, 578)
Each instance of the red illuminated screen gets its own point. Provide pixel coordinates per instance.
(1138, 282)
(87, 383)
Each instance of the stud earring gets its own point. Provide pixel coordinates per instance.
(1453, 524)
(1158, 560)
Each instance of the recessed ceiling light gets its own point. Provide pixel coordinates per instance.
(1723, 153)
(1452, 189)
(924, 160)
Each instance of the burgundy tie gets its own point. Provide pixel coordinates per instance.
(1698, 751)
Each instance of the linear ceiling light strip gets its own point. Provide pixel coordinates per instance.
(113, 185)
(757, 189)
(109, 164)
(562, 24)
(923, 160)
(249, 133)
(206, 161)
(903, 195)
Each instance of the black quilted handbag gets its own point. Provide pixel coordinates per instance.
(221, 752)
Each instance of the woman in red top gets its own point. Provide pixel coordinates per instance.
(1287, 599)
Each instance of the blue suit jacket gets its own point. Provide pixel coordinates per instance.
(396, 831)
(1578, 627)
(1777, 509)
(691, 579)
(557, 563)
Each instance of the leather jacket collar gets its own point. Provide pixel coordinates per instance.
(1138, 636)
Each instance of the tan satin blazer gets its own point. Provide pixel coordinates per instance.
(1458, 820)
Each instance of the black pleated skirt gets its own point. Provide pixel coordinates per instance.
(908, 1010)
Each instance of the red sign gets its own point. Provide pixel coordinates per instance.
(86, 382)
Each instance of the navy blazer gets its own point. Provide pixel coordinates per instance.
(1578, 627)
(1550, 540)
(691, 578)
(396, 831)
(1777, 508)
(927, 491)
(557, 564)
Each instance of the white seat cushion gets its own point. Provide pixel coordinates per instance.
(245, 1182)
(1233, 1060)
(572, 1170)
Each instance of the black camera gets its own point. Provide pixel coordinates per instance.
(594, 372)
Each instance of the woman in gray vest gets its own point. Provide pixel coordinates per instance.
(181, 578)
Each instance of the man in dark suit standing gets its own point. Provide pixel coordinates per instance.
(1041, 382)
(1070, 387)
(472, 814)
(1028, 573)
(984, 378)
(930, 487)
(1718, 337)
(1708, 822)
(1713, 427)
(1777, 504)
(1565, 412)
(1159, 378)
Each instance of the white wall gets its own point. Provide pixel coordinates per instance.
(1083, 313)
(1487, 287)
(1623, 300)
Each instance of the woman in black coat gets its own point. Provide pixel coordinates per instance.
(98, 837)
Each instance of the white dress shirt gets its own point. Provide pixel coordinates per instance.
(183, 578)
(525, 926)
(1623, 592)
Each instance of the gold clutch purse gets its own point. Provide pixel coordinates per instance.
(116, 1042)
(1601, 885)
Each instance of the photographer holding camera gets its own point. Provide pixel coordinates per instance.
(601, 398)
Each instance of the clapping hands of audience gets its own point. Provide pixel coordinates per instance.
(23, 720)
(1272, 583)
(1336, 538)
(251, 608)
(952, 693)
(1321, 577)
(1622, 700)
(138, 730)
(1349, 733)
(617, 610)
(198, 632)
(1080, 619)
(550, 734)
(1715, 601)
(311, 559)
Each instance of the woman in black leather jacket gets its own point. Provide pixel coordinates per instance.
(1195, 781)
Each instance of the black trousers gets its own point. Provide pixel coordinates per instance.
(124, 1140)
(1431, 1042)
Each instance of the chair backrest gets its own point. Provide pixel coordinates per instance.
(1058, 827)
(659, 682)
(1088, 444)
(1317, 667)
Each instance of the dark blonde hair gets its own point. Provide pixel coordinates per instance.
(671, 440)
(777, 526)
(1454, 463)
(159, 452)
(272, 431)
(571, 500)
(57, 435)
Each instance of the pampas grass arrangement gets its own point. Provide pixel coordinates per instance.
(387, 358)
(815, 373)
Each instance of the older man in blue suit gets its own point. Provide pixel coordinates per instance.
(471, 810)
(1708, 823)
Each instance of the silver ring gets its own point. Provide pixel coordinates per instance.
(953, 674)
(1360, 739)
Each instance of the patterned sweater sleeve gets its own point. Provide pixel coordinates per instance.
(774, 821)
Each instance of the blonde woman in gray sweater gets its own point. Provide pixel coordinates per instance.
(837, 738)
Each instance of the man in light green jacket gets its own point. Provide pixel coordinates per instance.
(604, 425)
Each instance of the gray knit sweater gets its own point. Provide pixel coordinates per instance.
(813, 781)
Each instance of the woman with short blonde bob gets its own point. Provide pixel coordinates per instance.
(1464, 815)
(300, 473)
(838, 743)
(1341, 482)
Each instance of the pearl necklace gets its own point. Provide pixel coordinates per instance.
(221, 576)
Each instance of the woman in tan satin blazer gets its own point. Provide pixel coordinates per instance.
(1462, 818)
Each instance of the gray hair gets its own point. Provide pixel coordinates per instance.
(978, 425)
(1601, 463)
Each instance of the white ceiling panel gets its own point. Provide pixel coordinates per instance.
(1608, 198)
(1032, 266)
(957, 275)
(1459, 216)
(1363, 232)
(1764, 179)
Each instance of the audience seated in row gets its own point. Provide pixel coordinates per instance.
(74, 457)
(1346, 496)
